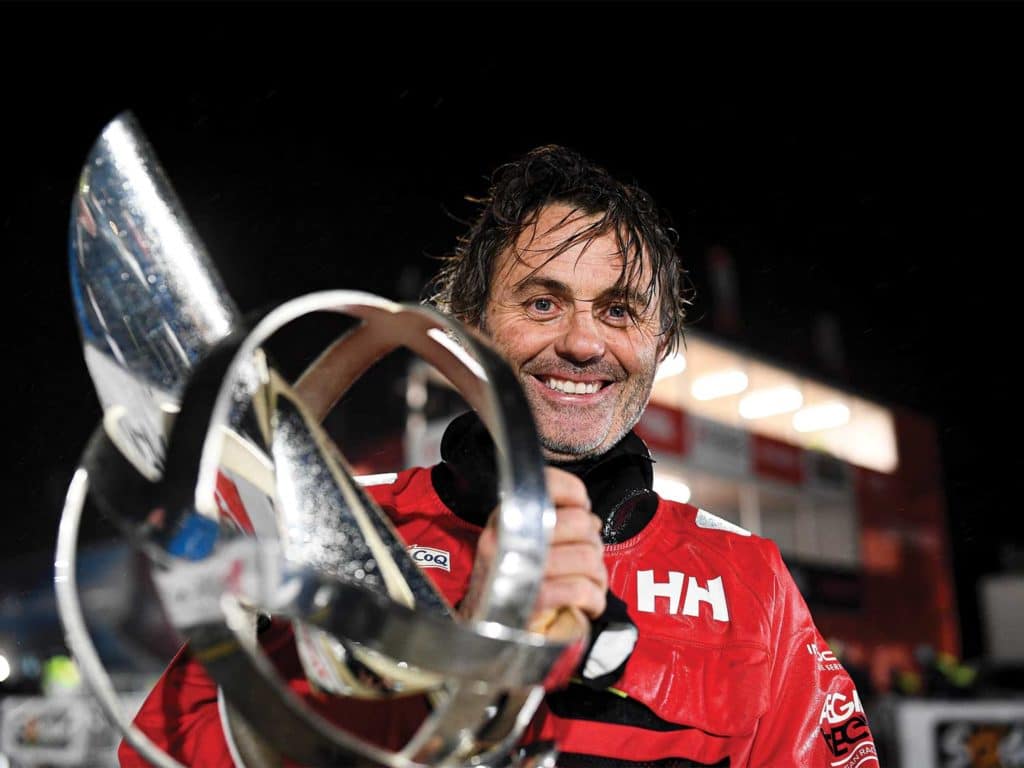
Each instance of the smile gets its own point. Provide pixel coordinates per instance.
(572, 387)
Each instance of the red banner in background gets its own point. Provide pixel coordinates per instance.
(663, 429)
(776, 460)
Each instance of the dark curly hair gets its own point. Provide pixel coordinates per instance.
(553, 174)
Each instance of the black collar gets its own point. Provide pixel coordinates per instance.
(618, 481)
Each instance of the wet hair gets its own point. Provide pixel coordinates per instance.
(552, 175)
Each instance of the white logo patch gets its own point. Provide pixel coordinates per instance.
(428, 557)
(647, 589)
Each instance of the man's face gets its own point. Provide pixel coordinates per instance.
(586, 365)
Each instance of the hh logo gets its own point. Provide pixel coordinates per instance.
(647, 589)
(428, 557)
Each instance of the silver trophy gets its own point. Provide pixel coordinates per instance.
(189, 398)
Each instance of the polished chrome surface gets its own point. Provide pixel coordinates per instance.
(149, 303)
(327, 521)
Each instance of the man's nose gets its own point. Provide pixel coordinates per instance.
(583, 338)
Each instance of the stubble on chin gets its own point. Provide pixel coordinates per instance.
(562, 450)
(567, 439)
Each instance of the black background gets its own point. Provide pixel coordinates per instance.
(859, 160)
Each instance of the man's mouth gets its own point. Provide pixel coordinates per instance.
(571, 387)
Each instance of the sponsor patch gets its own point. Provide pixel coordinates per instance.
(844, 727)
(827, 661)
(428, 557)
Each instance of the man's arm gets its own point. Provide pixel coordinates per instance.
(815, 717)
(180, 715)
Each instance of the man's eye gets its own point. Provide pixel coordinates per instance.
(543, 305)
(618, 311)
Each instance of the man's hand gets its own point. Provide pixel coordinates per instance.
(575, 576)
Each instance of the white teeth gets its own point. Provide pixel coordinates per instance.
(572, 387)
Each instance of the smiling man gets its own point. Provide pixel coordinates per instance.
(702, 651)
(575, 279)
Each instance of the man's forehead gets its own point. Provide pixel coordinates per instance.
(556, 225)
(566, 235)
(600, 253)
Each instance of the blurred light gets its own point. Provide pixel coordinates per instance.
(770, 402)
(824, 416)
(5, 668)
(720, 384)
(671, 488)
(671, 366)
(60, 675)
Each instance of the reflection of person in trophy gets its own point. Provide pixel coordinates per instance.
(702, 650)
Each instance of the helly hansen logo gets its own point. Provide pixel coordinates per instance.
(713, 593)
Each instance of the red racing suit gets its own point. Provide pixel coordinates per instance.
(728, 668)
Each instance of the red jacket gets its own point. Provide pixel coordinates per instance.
(728, 670)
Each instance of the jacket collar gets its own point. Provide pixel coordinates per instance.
(618, 481)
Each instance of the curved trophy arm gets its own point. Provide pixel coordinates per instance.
(148, 301)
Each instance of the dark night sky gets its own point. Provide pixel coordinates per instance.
(858, 160)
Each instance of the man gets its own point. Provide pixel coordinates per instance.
(704, 653)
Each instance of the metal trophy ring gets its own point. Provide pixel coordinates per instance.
(188, 396)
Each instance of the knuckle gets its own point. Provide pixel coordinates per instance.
(584, 592)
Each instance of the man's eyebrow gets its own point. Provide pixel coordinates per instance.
(548, 284)
(628, 295)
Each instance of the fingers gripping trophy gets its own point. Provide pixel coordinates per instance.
(190, 399)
